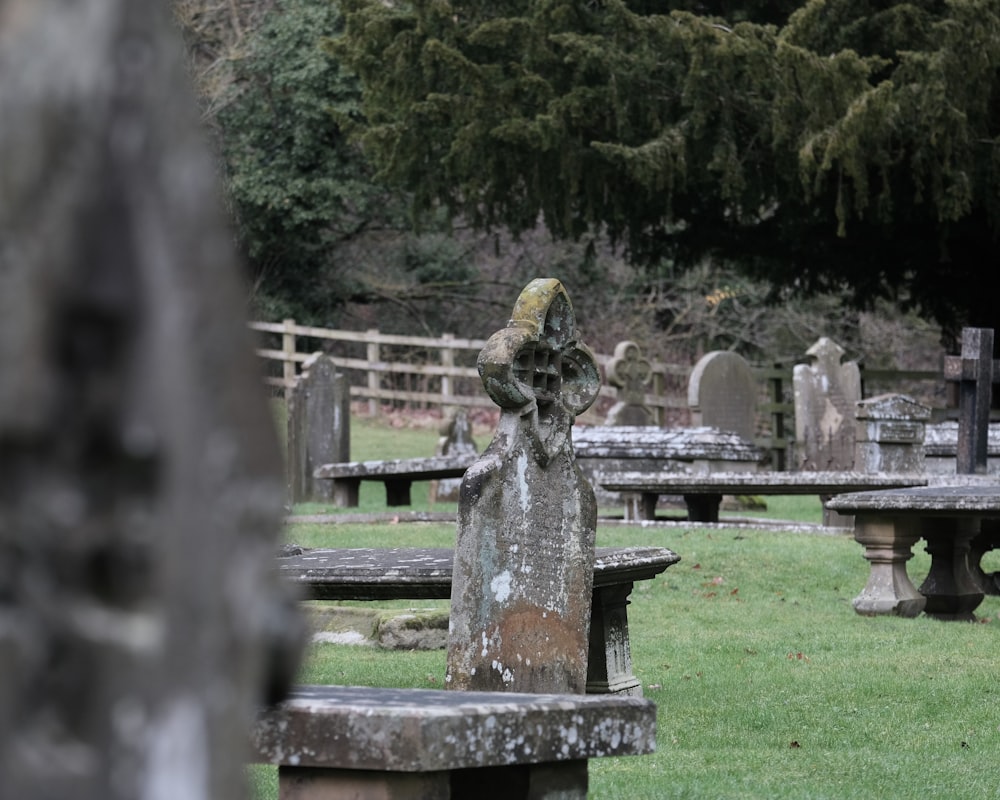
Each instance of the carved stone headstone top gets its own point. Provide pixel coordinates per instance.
(521, 591)
(826, 396)
(722, 393)
(631, 374)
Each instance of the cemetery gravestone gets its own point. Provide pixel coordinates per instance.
(141, 620)
(722, 394)
(456, 440)
(524, 556)
(826, 396)
(631, 374)
(890, 434)
(319, 428)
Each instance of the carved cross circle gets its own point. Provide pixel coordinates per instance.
(536, 360)
(629, 371)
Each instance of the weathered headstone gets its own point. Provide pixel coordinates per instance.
(890, 434)
(826, 396)
(523, 575)
(140, 476)
(455, 440)
(975, 371)
(631, 374)
(722, 394)
(319, 428)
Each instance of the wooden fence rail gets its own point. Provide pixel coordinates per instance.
(440, 371)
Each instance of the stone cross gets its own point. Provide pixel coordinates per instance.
(826, 394)
(631, 374)
(975, 371)
(523, 575)
(141, 619)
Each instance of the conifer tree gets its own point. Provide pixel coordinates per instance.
(821, 145)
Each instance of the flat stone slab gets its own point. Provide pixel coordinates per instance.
(419, 573)
(777, 483)
(432, 468)
(941, 439)
(425, 730)
(651, 442)
(969, 499)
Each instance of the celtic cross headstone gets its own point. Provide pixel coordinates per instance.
(523, 574)
(631, 374)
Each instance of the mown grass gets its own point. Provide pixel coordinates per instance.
(767, 683)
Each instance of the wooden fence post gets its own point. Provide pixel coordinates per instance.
(288, 348)
(777, 393)
(659, 411)
(374, 357)
(447, 360)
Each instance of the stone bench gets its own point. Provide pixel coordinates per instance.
(703, 493)
(398, 476)
(347, 741)
(959, 523)
(426, 573)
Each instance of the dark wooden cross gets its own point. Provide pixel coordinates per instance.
(975, 371)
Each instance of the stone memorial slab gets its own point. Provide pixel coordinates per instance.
(722, 394)
(826, 396)
(524, 558)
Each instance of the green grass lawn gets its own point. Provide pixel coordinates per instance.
(767, 683)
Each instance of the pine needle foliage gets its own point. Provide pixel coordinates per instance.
(823, 144)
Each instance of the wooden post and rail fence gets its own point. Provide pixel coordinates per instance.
(424, 372)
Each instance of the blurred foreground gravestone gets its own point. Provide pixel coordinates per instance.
(141, 621)
(524, 558)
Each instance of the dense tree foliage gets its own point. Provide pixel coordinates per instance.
(821, 145)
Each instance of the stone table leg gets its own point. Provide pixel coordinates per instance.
(313, 783)
(609, 659)
(988, 539)
(345, 492)
(703, 507)
(640, 506)
(397, 491)
(888, 546)
(951, 588)
(562, 780)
